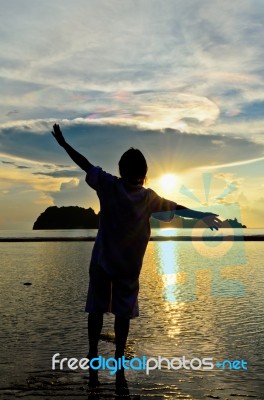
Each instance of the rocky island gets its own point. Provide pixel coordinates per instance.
(72, 217)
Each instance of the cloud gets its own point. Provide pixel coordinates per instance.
(169, 147)
(8, 162)
(162, 67)
(60, 174)
(15, 165)
(73, 183)
(75, 192)
(229, 178)
(234, 163)
(12, 112)
(218, 142)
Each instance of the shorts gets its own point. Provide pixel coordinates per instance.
(107, 293)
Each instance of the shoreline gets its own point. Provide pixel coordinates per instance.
(252, 238)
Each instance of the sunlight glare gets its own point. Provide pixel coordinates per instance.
(168, 182)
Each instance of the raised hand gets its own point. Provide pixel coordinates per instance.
(58, 135)
(212, 221)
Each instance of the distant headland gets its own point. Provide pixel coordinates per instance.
(74, 217)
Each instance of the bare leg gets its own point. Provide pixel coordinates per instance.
(95, 324)
(121, 334)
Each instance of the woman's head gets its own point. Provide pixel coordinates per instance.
(133, 166)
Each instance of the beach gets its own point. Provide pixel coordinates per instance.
(193, 303)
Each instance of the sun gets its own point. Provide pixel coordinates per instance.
(167, 183)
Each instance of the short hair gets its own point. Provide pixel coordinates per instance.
(133, 165)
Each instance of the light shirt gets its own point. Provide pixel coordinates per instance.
(124, 227)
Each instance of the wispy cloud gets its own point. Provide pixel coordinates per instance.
(233, 164)
(61, 173)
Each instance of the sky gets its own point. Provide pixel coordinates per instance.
(183, 81)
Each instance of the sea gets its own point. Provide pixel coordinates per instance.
(199, 300)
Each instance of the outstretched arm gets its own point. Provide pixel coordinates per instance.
(210, 219)
(79, 159)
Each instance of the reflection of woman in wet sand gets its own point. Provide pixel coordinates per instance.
(123, 235)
